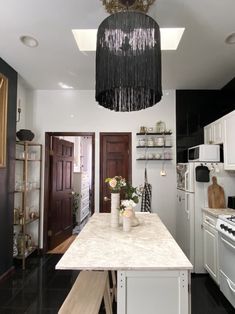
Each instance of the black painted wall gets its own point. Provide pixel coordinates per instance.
(7, 174)
(194, 110)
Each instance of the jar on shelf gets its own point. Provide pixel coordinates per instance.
(16, 216)
(142, 142)
(21, 244)
(160, 127)
(28, 241)
(168, 141)
(160, 141)
(143, 129)
(15, 249)
(167, 155)
(150, 141)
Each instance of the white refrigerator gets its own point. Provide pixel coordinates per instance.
(191, 198)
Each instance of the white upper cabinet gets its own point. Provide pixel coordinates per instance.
(229, 141)
(208, 134)
(218, 127)
(222, 131)
(214, 132)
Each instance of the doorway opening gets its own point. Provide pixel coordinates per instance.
(68, 184)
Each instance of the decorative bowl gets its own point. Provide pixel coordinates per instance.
(25, 135)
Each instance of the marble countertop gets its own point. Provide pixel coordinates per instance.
(148, 246)
(219, 211)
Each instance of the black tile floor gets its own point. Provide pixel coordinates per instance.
(42, 289)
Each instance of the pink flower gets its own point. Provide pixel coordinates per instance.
(113, 183)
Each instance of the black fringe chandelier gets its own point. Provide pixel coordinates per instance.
(128, 61)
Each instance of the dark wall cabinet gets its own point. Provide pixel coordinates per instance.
(7, 174)
(194, 110)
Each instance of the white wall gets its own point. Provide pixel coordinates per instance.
(22, 102)
(77, 111)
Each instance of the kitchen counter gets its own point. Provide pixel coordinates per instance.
(151, 267)
(219, 211)
(148, 246)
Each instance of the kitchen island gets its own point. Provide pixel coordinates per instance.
(153, 272)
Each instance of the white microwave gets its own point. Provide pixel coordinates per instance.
(204, 152)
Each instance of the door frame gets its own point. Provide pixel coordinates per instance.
(48, 136)
(102, 134)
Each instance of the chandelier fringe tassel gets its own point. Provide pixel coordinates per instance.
(128, 62)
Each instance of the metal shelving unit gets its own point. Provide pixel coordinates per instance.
(27, 196)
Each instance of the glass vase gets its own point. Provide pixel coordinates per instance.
(127, 223)
(134, 219)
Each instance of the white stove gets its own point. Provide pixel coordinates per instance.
(226, 240)
(226, 225)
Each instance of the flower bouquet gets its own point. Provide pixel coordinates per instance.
(131, 195)
(116, 183)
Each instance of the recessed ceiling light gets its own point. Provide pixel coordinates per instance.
(230, 39)
(65, 86)
(29, 41)
(86, 38)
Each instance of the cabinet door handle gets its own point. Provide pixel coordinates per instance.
(206, 225)
(207, 222)
(230, 285)
(186, 178)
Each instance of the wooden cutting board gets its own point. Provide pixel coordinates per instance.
(216, 198)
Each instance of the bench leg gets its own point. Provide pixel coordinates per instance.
(107, 299)
(114, 286)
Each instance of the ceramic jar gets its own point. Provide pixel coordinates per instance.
(160, 127)
(115, 205)
(141, 142)
(160, 141)
(150, 142)
(143, 129)
(167, 155)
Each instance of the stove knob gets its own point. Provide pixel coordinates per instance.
(229, 230)
(225, 228)
(222, 226)
(233, 232)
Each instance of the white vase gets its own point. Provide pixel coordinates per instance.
(115, 204)
(127, 223)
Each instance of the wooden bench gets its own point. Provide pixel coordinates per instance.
(87, 293)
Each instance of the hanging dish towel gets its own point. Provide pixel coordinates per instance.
(147, 195)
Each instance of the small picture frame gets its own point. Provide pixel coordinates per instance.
(3, 119)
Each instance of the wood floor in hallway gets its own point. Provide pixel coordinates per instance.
(62, 248)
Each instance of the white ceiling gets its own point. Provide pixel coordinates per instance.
(202, 61)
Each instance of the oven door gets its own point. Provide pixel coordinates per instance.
(226, 267)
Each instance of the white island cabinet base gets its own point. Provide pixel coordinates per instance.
(153, 272)
(161, 292)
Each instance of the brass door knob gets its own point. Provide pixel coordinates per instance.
(106, 199)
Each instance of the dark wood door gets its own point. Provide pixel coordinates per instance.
(115, 160)
(60, 212)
